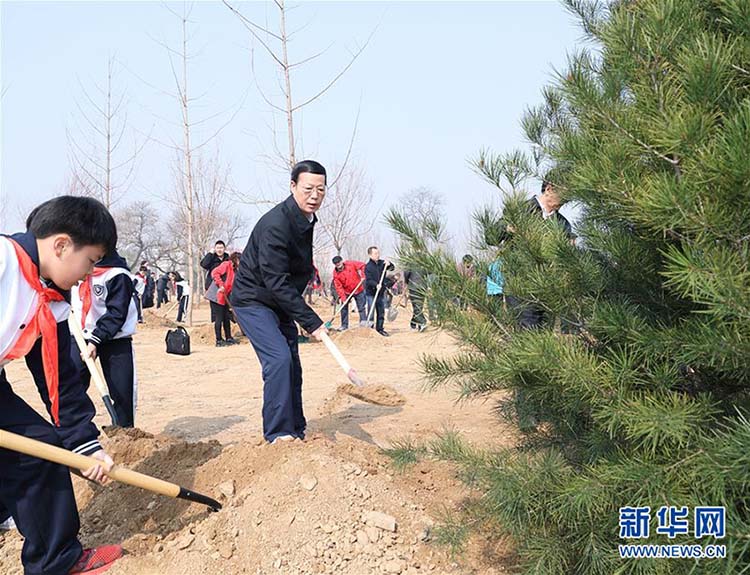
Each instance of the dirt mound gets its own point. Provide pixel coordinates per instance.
(357, 333)
(204, 334)
(155, 319)
(299, 508)
(319, 506)
(130, 432)
(310, 507)
(377, 394)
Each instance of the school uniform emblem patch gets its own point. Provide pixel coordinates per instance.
(98, 290)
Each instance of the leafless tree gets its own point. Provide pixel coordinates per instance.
(142, 235)
(101, 165)
(213, 212)
(346, 211)
(422, 207)
(187, 216)
(275, 43)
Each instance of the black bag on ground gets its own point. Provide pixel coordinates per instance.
(178, 341)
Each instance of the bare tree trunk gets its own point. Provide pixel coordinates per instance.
(287, 79)
(276, 45)
(99, 167)
(108, 170)
(188, 178)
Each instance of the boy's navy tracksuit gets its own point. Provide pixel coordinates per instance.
(267, 299)
(105, 305)
(37, 493)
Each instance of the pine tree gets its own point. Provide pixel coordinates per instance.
(637, 385)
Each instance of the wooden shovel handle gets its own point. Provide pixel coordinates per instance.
(67, 458)
(48, 452)
(341, 360)
(93, 367)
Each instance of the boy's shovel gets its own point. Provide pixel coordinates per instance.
(67, 458)
(93, 367)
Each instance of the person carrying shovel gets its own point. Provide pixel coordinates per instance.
(64, 238)
(376, 283)
(349, 279)
(274, 270)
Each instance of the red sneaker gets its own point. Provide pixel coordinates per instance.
(96, 560)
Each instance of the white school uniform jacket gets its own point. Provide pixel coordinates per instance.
(112, 312)
(183, 288)
(19, 301)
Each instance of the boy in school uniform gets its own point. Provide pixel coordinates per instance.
(65, 237)
(105, 306)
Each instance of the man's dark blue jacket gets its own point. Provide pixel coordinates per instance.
(277, 264)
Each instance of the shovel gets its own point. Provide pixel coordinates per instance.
(329, 323)
(377, 394)
(377, 293)
(93, 367)
(393, 310)
(48, 452)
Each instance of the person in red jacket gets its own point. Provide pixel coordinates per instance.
(348, 277)
(218, 294)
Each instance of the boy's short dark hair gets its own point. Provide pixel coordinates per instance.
(220, 242)
(85, 220)
(370, 249)
(308, 166)
(336, 259)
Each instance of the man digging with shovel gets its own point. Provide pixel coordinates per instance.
(348, 279)
(267, 298)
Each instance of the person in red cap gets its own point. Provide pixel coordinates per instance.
(348, 278)
(64, 238)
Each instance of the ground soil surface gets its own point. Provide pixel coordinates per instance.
(331, 504)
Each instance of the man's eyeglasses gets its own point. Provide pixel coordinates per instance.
(308, 191)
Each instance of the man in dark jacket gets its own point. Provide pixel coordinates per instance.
(267, 298)
(162, 290)
(374, 277)
(547, 205)
(212, 260)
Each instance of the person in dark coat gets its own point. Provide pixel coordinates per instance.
(274, 270)
(213, 259)
(547, 205)
(209, 262)
(374, 276)
(149, 291)
(162, 290)
(414, 280)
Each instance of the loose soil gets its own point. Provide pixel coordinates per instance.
(376, 394)
(304, 507)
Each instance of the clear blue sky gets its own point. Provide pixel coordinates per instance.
(439, 81)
